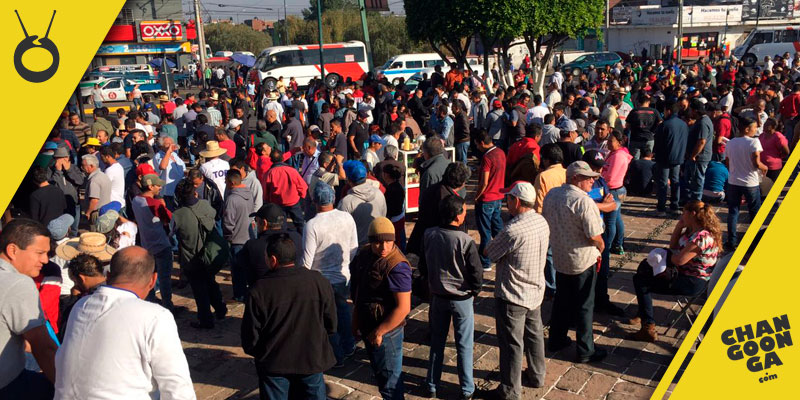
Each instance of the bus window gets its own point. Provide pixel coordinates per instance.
(397, 65)
(284, 58)
(762, 37)
(433, 63)
(413, 64)
(786, 36)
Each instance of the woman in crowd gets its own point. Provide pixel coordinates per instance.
(694, 247)
(775, 148)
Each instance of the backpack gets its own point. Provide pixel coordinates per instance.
(214, 250)
(734, 126)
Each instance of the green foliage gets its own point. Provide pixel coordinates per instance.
(562, 18)
(236, 38)
(310, 13)
(445, 25)
(387, 33)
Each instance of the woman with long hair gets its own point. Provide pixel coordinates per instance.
(775, 148)
(694, 248)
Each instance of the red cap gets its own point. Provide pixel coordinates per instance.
(144, 169)
(497, 104)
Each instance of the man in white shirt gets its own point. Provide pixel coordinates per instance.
(118, 345)
(726, 98)
(329, 244)
(538, 111)
(215, 168)
(743, 156)
(115, 173)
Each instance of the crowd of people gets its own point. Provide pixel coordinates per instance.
(300, 193)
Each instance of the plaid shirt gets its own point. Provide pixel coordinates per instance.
(574, 219)
(520, 251)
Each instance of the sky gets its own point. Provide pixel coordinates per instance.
(240, 10)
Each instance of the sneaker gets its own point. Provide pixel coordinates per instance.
(598, 355)
(350, 353)
(661, 213)
(618, 250)
(487, 269)
(339, 364)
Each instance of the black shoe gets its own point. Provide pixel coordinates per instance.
(611, 309)
(557, 345)
(598, 355)
(431, 394)
(221, 313)
(200, 325)
(175, 310)
(488, 394)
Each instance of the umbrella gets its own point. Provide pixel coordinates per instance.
(244, 59)
(156, 62)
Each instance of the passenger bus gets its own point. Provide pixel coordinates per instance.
(342, 61)
(768, 41)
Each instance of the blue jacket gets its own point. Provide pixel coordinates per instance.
(671, 139)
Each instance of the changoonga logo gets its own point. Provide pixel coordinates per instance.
(759, 344)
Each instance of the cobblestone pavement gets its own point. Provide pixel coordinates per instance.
(220, 369)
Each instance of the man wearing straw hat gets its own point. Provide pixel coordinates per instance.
(24, 245)
(215, 169)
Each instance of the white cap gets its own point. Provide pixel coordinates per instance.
(657, 258)
(521, 190)
(234, 123)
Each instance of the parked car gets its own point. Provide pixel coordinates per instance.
(598, 60)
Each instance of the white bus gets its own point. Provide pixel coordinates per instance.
(768, 41)
(406, 65)
(301, 62)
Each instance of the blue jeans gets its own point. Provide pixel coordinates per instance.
(238, 273)
(667, 174)
(549, 273)
(137, 103)
(637, 148)
(440, 313)
(387, 365)
(462, 149)
(295, 212)
(28, 385)
(733, 196)
(342, 341)
(695, 173)
(645, 284)
(617, 232)
(285, 387)
(487, 214)
(164, 271)
(77, 221)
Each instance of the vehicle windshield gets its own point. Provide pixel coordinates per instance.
(580, 59)
(388, 63)
(279, 59)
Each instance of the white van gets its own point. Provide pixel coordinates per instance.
(406, 65)
(768, 41)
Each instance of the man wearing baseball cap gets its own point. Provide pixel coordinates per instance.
(576, 232)
(494, 120)
(520, 250)
(371, 154)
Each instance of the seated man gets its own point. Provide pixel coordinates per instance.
(714, 185)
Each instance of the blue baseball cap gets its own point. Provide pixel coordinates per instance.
(50, 145)
(114, 205)
(355, 171)
(323, 194)
(377, 139)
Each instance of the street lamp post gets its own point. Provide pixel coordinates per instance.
(321, 53)
(680, 31)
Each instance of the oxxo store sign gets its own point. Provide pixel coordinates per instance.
(160, 31)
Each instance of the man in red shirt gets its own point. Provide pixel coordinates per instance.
(225, 142)
(167, 105)
(284, 186)
(489, 199)
(789, 109)
(529, 144)
(722, 132)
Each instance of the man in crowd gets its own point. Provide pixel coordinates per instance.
(363, 201)
(284, 186)
(699, 142)
(236, 228)
(270, 220)
(520, 250)
(576, 233)
(153, 219)
(214, 168)
(641, 123)
(98, 187)
(119, 346)
(432, 163)
(170, 168)
(288, 317)
(330, 243)
(488, 200)
(670, 142)
(47, 202)
(67, 177)
(115, 173)
(381, 280)
(455, 276)
(24, 245)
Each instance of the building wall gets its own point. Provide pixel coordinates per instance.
(143, 10)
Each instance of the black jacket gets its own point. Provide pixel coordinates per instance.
(461, 127)
(287, 319)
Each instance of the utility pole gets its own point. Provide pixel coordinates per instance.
(608, 18)
(321, 53)
(285, 26)
(680, 31)
(201, 38)
(365, 28)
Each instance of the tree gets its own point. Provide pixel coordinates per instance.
(310, 14)
(549, 23)
(236, 38)
(500, 24)
(445, 25)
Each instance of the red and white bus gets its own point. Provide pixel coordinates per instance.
(301, 62)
